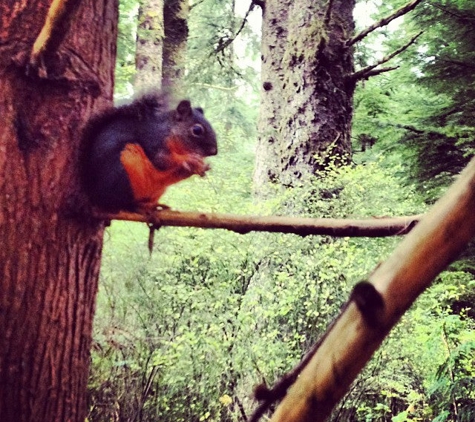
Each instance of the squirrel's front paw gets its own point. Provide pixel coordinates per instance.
(195, 164)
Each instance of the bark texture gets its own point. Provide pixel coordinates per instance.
(273, 71)
(50, 254)
(149, 46)
(175, 18)
(306, 97)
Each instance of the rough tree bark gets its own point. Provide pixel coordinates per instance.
(274, 34)
(306, 97)
(149, 45)
(50, 254)
(175, 19)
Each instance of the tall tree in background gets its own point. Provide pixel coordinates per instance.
(175, 17)
(308, 82)
(149, 45)
(306, 96)
(162, 32)
(50, 254)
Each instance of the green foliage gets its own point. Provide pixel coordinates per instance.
(424, 111)
(451, 388)
(446, 67)
(222, 74)
(125, 63)
(425, 366)
(186, 333)
(212, 313)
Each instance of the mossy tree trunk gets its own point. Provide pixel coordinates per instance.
(306, 101)
(50, 254)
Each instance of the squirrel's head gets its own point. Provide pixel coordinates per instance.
(193, 128)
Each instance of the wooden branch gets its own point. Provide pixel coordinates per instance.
(368, 71)
(374, 227)
(433, 244)
(376, 72)
(383, 22)
(217, 87)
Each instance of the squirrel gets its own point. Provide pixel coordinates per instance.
(132, 153)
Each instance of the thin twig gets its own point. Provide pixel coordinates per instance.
(197, 3)
(449, 365)
(383, 22)
(376, 72)
(368, 70)
(446, 10)
(226, 43)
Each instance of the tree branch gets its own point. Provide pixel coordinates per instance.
(217, 87)
(383, 22)
(465, 65)
(377, 72)
(452, 13)
(409, 128)
(393, 286)
(197, 3)
(223, 44)
(374, 227)
(368, 71)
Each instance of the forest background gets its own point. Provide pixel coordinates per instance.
(185, 334)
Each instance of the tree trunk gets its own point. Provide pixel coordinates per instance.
(175, 18)
(50, 254)
(149, 47)
(306, 98)
(274, 34)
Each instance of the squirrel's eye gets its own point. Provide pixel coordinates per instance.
(197, 130)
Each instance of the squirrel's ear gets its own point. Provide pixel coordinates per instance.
(184, 109)
(200, 110)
